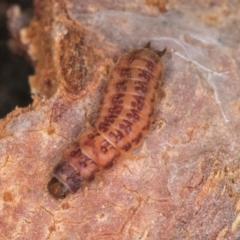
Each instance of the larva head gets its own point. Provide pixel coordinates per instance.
(57, 189)
(66, 179)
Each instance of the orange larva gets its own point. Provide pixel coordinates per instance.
(125, 117)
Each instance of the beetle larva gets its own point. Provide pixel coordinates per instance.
(125, 117)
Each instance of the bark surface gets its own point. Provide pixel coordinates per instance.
(183, 182)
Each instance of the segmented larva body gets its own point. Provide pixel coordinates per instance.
(125, 116)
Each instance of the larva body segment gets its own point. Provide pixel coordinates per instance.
(125, 116)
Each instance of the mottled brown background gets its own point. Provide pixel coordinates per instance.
(183, 182)
(14, 68)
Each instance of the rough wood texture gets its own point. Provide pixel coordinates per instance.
(183, 182)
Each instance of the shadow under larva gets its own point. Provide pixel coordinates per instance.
(125, 117)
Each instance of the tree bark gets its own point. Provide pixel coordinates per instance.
(183, 182)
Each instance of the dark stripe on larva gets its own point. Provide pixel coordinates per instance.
(125, 116)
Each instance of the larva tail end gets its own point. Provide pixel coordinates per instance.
(161, 53)
(57, 189)
(148, 45)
